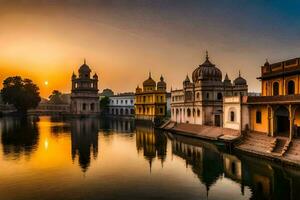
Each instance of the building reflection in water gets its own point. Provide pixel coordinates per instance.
(151, 142)
(19, 136)
(119, 125)
(265, 181)
(84, 138)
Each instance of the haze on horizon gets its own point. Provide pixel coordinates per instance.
(122, 40)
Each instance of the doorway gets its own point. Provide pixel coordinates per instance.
(282, 121)
(217, 120)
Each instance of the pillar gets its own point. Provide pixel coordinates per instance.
(271, 121)
(291, 118)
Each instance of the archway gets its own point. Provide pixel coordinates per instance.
(282, 121)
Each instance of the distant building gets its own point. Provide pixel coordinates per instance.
(106, 93)
(201, 100)
(84, 96)
(151, 101)
(121, 105)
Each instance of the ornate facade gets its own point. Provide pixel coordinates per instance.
(151, 101)
(201, 100)
(121, 105)
(84, 96)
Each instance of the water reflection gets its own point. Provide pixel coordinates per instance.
(151, 142)
(58, 149)
(19, 137)
(84, 137)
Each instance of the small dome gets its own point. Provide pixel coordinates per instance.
(267, 63)
(161, 83)
(95, 76)
(207, 71)
(186, 80)
(240, 80)
(149, 82)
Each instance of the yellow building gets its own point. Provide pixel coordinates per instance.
(277, 112)
(151, 101)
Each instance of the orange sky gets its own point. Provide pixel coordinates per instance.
(122, 43)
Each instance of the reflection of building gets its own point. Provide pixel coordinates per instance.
(84, 136)
(232, 167)
(119, 125)
(205, 162)
(151, 101)
(84, 97)
(152, 143)
(200, 101)
(121, 105)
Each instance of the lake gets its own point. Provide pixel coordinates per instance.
(53, 158)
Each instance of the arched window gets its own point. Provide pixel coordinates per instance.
(275, 88)
(188, 112)
(117, 111)
(219, 96)
(126, 111)
(291, 87)
(198, 95)
(83, 106)
(121, 111)
(198, 112)
(207, 95)
(92, 106)
(232, 116)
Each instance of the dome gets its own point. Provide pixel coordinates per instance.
(240, 80)
(84, 68)
(149, 82)
(207, 71)
(161, 83)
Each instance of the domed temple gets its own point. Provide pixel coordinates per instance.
(151, 100)
(200, 101)
(84, 96)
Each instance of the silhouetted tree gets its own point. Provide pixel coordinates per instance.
(55, 97)
(22, 93)
(104, 105)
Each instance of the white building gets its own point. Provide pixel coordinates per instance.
(236, 113)
(121, 104)
(201, 101)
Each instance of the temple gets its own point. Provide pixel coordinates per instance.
(84, 96)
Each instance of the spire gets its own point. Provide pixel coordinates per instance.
(206, 56)
(239, 73)
(226, 77)
(149, 74)
(84, 61)
(161, 78)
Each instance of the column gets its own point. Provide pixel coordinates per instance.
(291, 118)
(271, 121)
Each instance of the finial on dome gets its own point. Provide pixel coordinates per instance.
(84, 61)
(161, 77)
(206, 56)
(149, 74)
(239, 73)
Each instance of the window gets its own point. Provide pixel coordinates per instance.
(121, 101)
(291, 87)
(132, 111)
(125, 101)
(198, 95)
(161, 110)
(121, 111)
(112, 111)
(117, 101)
(161, 98)
(232, 116)
(131, 101)
(207, 95)
(92, 106)
(83, 106)
(188, 112)
(219, 96)
(275, 88)
(126, 111)
(198, 112)
(258, 117)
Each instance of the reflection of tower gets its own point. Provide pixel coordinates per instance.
(153, 144)
(84, 140)
(205, 162)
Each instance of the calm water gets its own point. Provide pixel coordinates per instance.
(50, 158)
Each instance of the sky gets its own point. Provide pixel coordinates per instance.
(122, 40)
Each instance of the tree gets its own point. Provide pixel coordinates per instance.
(22, 93)
(55, 97)
(104, 105)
